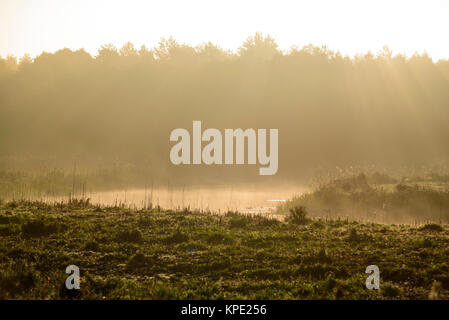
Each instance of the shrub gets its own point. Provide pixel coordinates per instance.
(431, 227)
(79, 202)
(298, 215)
(266, 221)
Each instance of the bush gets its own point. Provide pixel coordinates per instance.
(354, 197)
(431, 227)
(265, 221)
(298, 215)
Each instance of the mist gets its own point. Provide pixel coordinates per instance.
(70, 107)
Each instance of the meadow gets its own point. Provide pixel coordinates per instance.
(154, 253)
(86, 177)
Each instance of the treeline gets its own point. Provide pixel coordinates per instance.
(121, 105)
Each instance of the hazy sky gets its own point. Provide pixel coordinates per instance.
(351, 26)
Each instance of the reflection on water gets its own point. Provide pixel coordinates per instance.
(245, 200)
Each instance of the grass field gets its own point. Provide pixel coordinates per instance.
(157, 254)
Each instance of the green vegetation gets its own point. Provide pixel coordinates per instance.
(355, 198)
(156, 254)
(120, 106)
(32, 184)
(297, 215)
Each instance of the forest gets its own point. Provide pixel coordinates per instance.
(119, 107)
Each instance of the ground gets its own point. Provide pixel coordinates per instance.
(157, 254)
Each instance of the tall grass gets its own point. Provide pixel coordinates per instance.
(356, 198)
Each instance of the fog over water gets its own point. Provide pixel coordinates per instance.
(217, 199)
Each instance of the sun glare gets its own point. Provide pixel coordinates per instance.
(348, 26)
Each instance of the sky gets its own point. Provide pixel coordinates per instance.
(349, 26)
